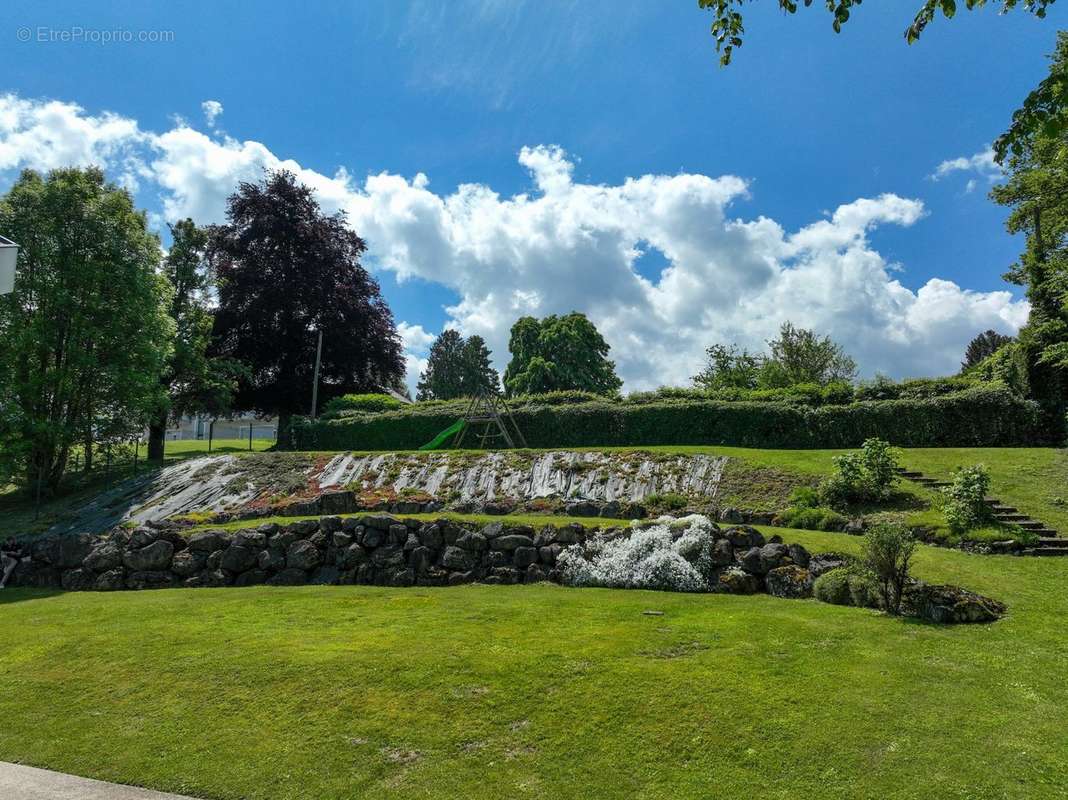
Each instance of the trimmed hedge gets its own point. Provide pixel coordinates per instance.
(977, 417)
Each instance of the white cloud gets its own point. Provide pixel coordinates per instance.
(212, 109)
(569, 245)
(416, 348)
(981, 164)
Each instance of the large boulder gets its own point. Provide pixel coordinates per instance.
(470, 540)
(722, 553)
(271, 559)
(238, 559)
(156, 557)
(209, 541)
(512, 541)
(789, 581)
(63, 552)
(111, 581)
(825, 562)
(799, 555)
(351, 557)
(250, 540)
(303, 555)
(525, 557)
(79, 580)
(772, 556)
(455, 558)
(743, 536)
(737, 581)
(105, 556)
(951, 604)
(188, 563)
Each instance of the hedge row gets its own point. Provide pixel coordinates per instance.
(979, 417)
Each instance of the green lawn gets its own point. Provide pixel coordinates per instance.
(542, 691)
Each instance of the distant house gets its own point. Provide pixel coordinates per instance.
(236, 426)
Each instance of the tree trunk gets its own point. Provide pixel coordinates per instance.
(285, 436)
(157, 433)
(87, 453)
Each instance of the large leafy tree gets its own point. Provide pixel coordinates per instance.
(728, 25)
(85, 335)
(1036, 194)
(443, 377)
(730, 368)
(478, 373)
(982, 347)
(801, 356)
(286, 271)
(558, 353)
(191, 381)
(457, 368)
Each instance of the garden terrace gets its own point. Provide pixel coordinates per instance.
(497, 691)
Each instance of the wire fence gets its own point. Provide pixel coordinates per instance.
(112, 461)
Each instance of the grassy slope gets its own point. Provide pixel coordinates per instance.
(338, 692)
(17, 507)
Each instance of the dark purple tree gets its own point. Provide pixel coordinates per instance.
(286, 271)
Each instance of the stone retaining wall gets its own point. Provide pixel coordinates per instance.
(380, 550)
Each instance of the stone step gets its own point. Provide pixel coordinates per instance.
(1005, 516)
(999, 509)
(1032, 525)
(1048, 533)
(1045, 551)
(1052, 541)
(909, 475)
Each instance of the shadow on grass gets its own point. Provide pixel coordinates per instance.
(23, 594)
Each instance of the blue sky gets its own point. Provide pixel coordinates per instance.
(809, 120)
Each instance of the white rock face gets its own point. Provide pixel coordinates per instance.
(594, 476)
(226, 483)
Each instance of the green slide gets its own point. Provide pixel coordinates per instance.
(444, 436)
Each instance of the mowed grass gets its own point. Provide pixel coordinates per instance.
(543, 691)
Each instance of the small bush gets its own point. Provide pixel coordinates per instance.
(364, 403)
(812, 519)
(675, 557)
(666, 501)
(804, 497)
(862, 477)
(888, 550)
(863, 591)
(847, 586)
(965, 506)
(833, 587)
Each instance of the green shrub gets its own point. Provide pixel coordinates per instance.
(978, 417)
(966, 507)
(864, 476)
(666, 501)
(888, 550)
(882, 388)
(362, 403)
(864, 591)
(812, 519)
(847, 586)
(833, 587)
(804, 497)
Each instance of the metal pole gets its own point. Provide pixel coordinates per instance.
(137, 446)
(250, 437)
(315, 383)
(211, 433)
